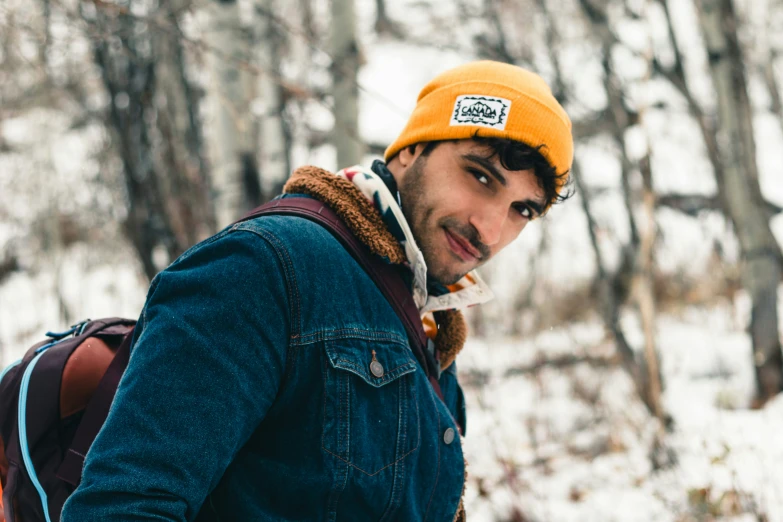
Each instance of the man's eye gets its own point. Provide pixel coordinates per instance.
(525, 212)
(481, 177)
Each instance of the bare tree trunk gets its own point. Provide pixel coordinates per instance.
(55, 249)
(274, 144)
(606, 289)
(644, 279)
(675, 74)
(636, 267)
(345, 69)
(493, 45)
(155, 129)
(612, 289)
(645, 295)
(234, 173)
(384, 24)
(185, 182)
(129, 77)
(761, 267)
(308, 20)
(692, 205)
(772, 86)
(46, 21)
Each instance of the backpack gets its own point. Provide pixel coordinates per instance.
(47, 399)
(55, 399)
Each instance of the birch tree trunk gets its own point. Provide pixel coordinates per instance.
(234, 172)
(635, 270)
(345, 68)
(771, 81)
(128, 73)
(156, 132)
(384, 24)
(768, 54)
(184, 178)
(761, 266)
(644, 290)
(275, 142)
(644, 278)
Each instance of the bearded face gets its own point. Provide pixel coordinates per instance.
(463, 206)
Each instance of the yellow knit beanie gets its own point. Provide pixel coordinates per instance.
(492, 100)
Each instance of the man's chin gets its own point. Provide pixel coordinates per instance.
(445, 279)
(445, 271)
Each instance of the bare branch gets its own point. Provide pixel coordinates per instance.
(8, 265)
(561, 362)
(678, 71)
(768, 73)
(497, 49)
(385, 25)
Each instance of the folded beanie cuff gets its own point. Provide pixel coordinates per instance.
(491, 100)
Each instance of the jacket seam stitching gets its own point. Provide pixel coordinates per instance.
(437, 467)
(206, 242)
(291, 284)
(346, 333)
(367, 472)
(354, 368)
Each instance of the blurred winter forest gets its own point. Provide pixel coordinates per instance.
(630, 366)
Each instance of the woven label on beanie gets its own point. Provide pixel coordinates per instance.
(484, 111)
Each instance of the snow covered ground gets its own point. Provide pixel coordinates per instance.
(574, 443)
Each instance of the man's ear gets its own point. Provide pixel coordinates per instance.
(408, 155)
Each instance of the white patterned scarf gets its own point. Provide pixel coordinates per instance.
(468, 291)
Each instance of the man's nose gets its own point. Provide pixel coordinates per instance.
(489, 224)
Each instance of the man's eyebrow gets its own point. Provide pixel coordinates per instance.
(487, 165)
(536, 205)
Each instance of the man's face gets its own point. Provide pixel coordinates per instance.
(464, 208)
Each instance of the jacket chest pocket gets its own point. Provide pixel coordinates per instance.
(371, 415)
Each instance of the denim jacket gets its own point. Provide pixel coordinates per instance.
(249, 395)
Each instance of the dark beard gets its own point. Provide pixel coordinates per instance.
(418, 215)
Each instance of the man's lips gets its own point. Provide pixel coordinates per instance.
(462, 247)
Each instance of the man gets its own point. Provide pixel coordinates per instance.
(271, 380)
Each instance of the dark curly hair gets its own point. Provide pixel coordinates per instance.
(515, 155)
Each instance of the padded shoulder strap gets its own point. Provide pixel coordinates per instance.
(95, 414)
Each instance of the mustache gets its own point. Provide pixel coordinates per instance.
(468, 232)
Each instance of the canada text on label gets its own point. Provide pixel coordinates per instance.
(483, 111)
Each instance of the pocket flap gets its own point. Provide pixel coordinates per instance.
(356, 356)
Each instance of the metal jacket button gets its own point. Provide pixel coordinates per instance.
(375, 367)
(448, 435)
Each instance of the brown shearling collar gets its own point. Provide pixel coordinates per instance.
(350, 204)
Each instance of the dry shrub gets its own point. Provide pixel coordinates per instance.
(720, 282)
(705, 504)
(550, 306)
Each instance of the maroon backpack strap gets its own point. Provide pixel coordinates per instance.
(95, 414)
(386, 276)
